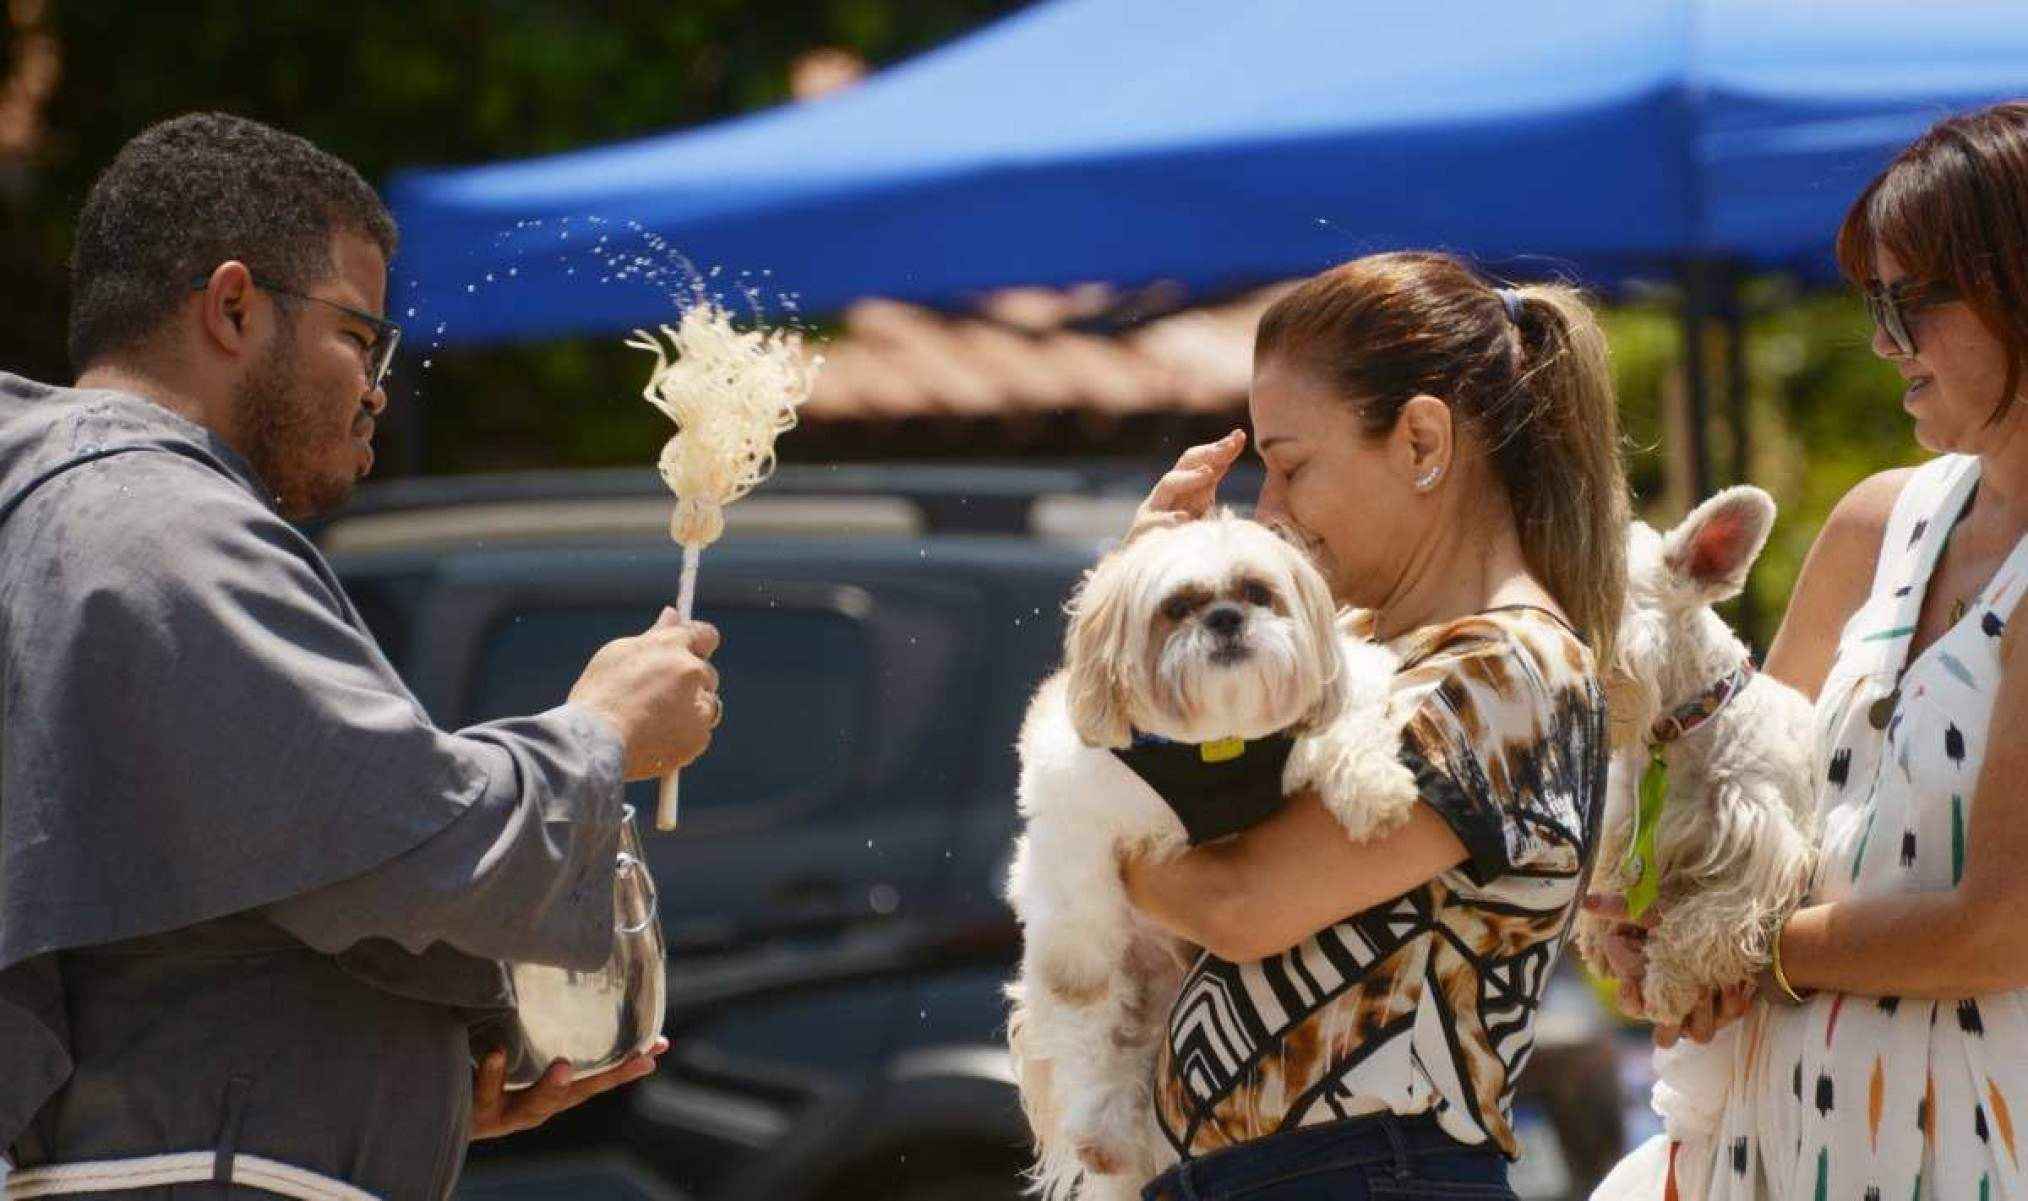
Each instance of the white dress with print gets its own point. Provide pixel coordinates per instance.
(1864, 1098)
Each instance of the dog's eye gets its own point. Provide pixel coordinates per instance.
(1253, 592)
(1176, 608)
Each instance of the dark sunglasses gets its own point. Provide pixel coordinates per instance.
(1891, 306)
(386, 334)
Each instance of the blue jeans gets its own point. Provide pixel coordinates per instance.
(1382, 1157)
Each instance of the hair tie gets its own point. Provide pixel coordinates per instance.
(1512, 300)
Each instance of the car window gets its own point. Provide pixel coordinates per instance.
(794, 683)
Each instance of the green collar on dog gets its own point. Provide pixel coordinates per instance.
(1640, 862)
(1654, 794)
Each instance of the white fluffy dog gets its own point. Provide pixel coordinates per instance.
(1732, 847)
(1732, 844)
(1208, 634)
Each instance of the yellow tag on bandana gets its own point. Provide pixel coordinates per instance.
(1224, 750)
(1640, 861)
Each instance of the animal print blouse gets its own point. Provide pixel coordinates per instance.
(1427, 1002)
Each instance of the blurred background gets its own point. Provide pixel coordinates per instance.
(1031, 242)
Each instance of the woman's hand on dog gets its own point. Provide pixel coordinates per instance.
(1625, 946)
(1626, 962)
(1190, 488)
(1714, 1013)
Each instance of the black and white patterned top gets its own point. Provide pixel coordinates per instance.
(1425, 1003)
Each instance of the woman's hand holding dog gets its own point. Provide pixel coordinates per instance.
(1722, 1008)
(1190, 488)
(1626, 960)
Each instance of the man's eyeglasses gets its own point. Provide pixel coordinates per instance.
(1891, 305)
(386, 334)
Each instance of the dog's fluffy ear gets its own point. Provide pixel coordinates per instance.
(1096, 653)
(1317, 625)
(1709, 554)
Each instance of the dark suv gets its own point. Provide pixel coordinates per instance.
(838, 943)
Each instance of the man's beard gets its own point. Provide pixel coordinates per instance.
(281, 419)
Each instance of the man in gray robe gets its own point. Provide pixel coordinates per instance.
(252, 902)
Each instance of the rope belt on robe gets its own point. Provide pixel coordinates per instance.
(189, 1167)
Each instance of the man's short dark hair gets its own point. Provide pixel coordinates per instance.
(195, 191)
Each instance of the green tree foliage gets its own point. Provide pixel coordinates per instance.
(390, 84)
(1833, 415)
(1823, 413)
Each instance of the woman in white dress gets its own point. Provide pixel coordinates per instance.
(1888, 1056)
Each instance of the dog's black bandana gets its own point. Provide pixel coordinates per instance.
(1216, 788)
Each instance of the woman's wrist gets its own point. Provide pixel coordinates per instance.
(1773, 981)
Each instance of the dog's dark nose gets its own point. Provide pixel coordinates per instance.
(1225, 620)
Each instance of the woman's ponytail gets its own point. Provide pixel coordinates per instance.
(1570, 492)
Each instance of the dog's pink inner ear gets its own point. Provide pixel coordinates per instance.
(1717, 552)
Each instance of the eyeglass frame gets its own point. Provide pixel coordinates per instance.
(1890, 306)
(386, 334)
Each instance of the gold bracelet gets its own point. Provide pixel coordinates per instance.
(1775, 967)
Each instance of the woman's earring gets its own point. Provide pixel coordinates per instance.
(1429, 480)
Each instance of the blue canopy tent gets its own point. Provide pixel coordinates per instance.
(1219, 144)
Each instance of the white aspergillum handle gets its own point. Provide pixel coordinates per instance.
(665, 807)
(731, 393)
(686, 596)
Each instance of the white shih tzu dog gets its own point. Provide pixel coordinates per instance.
(1213, 641)
(1721, 845)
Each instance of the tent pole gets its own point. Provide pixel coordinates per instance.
(1731, 307)
(1696, 307)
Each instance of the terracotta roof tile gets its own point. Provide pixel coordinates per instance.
(1032, 382)
(1035, 351)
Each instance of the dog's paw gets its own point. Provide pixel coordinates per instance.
(1667, 999)
(1365, 823)
(1357, 775)
(1589, 934)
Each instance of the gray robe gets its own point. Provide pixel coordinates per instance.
(250, 897)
